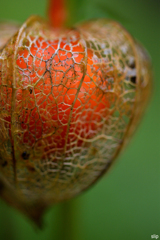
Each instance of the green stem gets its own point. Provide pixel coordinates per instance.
(69, 220)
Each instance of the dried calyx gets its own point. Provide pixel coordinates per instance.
(69, 102)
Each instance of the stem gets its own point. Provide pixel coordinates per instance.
(69, 220)
(57, 13)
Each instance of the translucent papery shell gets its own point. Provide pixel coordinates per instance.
(69, 102)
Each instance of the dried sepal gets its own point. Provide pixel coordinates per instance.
(69, 102)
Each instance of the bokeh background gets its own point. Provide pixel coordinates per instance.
(125, 203)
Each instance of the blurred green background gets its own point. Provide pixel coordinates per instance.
(124, 204)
